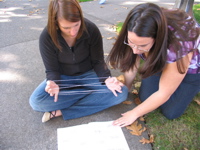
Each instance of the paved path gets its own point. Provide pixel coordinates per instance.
(21, 70)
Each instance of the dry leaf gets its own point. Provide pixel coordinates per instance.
(137, 101)
(110, 38)
(135, 92)
(141, 119)
(137, 84)
(198, 101)
(121, 78)
(127, 102)
(136, 129)
(146, 141)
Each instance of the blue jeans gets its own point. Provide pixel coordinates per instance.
(179, 100)
(77, 105)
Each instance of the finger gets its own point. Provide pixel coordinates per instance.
(47, 88)
(119, 90)
(115, 123)
(121, 84)
(113, 91)
(123, 125)
(50, 91)
(56, 97)
(51, 94)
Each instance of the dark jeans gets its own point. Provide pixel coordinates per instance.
(180, 99)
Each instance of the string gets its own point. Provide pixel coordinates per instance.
(84, 92)
(82, 79)
(65, 86)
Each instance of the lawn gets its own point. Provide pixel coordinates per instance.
(196, 10)
(84, 0)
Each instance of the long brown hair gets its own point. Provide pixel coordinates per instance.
(149, 20)
(69, 10)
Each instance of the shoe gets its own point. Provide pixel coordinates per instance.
(48, 115)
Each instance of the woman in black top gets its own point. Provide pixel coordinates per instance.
(72, 52)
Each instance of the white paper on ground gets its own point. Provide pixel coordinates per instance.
(92, 136)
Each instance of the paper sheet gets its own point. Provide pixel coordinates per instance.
(92, 136)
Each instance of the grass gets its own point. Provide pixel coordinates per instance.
(178, 134)
(84, 0)
(182, 133)
(196, 11)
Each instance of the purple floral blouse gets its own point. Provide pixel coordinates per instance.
(194, 67)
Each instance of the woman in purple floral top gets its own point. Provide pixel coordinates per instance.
(168, 43)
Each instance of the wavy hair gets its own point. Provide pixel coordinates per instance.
(69, 10)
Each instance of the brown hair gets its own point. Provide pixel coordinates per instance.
(66, 9)
(149, 20)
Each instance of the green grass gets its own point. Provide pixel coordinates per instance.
(196, 11)
(84, 0)
(119, 26)
(176, 134)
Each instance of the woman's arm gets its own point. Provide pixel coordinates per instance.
(49, 56)
(50, 60)
(129, 76)
(169, 82)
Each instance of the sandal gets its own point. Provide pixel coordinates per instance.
(48, 115)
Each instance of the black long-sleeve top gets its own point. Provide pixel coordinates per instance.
(85, 55)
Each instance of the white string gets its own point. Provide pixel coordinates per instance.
(82, 79)
(84, 92)
(65, 86)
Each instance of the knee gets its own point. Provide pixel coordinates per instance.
(34, 102)
(124, 93)
(123, 96)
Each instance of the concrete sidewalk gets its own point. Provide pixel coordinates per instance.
(21, 70)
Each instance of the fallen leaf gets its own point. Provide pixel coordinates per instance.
(121, 78)
(137, 84)
(127, 102)
(136, 129)
(106, 54)
(137, 101)
(110, 38)
(146, 141)
(141, 119)
(198, 101)
(135, 91)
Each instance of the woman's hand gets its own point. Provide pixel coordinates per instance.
(53, 89)
(126, 119)
(114, 85)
